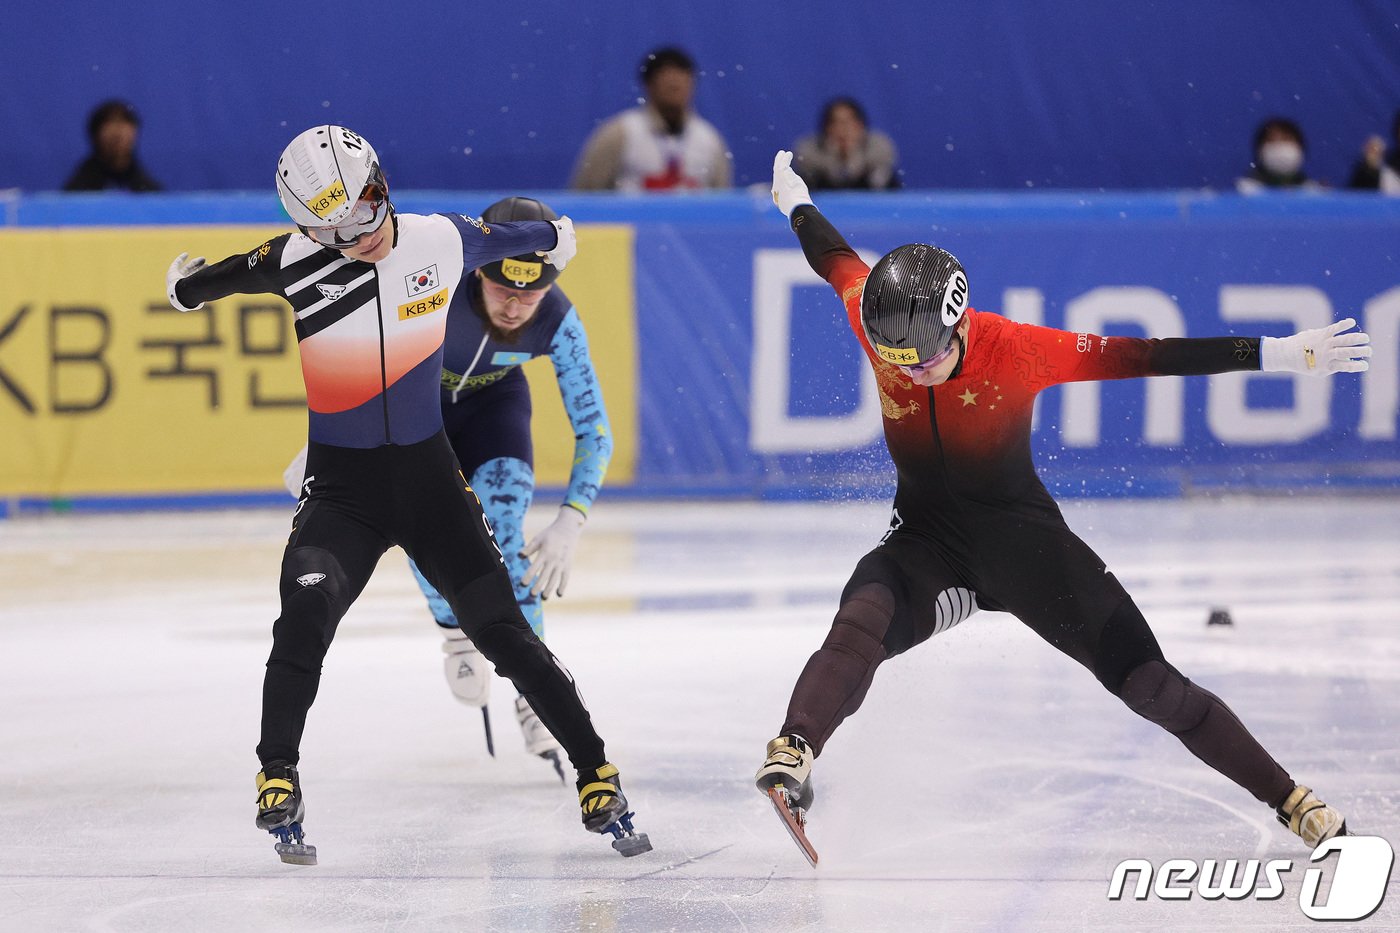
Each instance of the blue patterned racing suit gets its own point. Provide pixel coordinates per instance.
(486, 409)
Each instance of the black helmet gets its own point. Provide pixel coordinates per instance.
(912, 303)
(528, 272)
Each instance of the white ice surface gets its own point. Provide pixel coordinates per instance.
(987, 784)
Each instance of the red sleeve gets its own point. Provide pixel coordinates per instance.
(1072, 357)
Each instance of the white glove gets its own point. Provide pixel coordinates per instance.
(551, 552)
(789, 190)
(468, 674)
(1317, 352)
(295, 473)
(566, 248)
(180, 268)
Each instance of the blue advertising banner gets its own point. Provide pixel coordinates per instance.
(752, 381)
(749, 382)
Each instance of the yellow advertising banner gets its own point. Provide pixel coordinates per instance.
(107, 390)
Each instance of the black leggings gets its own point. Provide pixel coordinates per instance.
(906, 590)
(355, 504)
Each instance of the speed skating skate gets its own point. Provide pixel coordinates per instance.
(786, 779)
(538, 740)
(468, 676)
(605, 810)
(1313, 820)
(281, 810)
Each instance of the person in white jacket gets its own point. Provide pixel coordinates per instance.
(662, 145)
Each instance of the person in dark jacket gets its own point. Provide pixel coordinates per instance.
(112, 128)
(1379, 169)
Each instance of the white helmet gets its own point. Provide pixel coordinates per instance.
(323, 173)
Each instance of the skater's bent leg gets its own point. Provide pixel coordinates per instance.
(442, 612)
(1131, 665)
(506, 486)
(456, 551)
(501, 632)
(834, 682)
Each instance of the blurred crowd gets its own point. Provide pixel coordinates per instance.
(663, 144)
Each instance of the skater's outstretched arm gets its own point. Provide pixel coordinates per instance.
(827, 252)
(190, 282)
(1072, 357)
(483, 243)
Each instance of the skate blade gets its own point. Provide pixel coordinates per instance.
(632, 845)
(296, 853)
(794, 820)
(291, 845)
(486, 722)
(627, 840)
(553, 758)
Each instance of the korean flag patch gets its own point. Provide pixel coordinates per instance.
(424, 280)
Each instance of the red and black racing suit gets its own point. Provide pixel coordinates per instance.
(974, 527)
(379, 469)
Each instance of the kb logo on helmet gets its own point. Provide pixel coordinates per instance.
(954, 299)
(328, 201)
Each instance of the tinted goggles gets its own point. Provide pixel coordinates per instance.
(931, 362)
(367, 216)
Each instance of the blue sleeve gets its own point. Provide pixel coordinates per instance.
(583, 401)
(483, 243)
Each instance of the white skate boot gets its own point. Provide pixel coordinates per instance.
(538, 741)
(467, 671)
(788, 767)
(1310, 818)
(786, 779)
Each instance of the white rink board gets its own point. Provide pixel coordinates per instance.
(988, 783)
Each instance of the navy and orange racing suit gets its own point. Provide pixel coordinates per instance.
(379, 467)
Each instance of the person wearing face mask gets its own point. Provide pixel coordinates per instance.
(1279, 151)
(972, 526)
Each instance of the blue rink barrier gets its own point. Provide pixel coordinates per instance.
(751, 384)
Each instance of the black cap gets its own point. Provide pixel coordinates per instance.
(913, 301)
(528, 272)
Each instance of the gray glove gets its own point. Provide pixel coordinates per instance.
(551, 554)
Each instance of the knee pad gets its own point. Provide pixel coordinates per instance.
(314, 598)
(863, 623)
(1159, 693)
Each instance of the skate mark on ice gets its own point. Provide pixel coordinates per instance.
(1261, 824)
(683, 862)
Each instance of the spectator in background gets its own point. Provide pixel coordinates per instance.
(1279, 150)
(845, 152)
(1378, 170)
(112, 164)
(662, 145)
